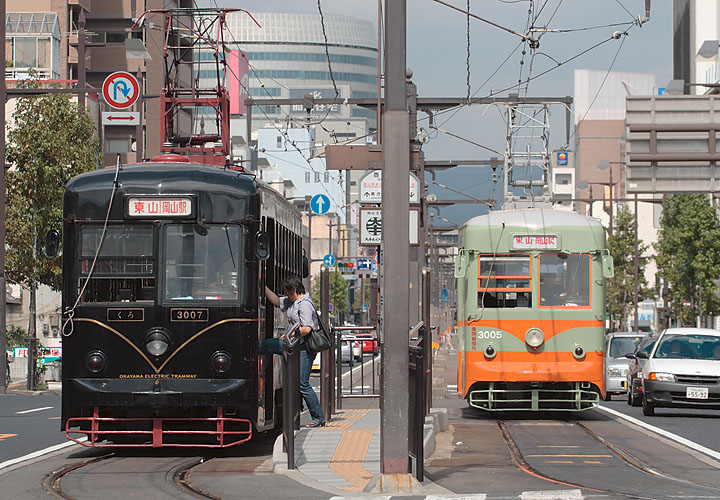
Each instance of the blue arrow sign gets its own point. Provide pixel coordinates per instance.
(329, 260)
(320, 204)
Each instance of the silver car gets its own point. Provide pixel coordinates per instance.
(617, 346)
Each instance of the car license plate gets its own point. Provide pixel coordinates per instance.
(696, 392)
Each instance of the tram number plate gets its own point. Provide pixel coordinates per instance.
(696, 392)
(125, 314)
(183, 314)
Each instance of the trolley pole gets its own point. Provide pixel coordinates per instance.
(395, 320)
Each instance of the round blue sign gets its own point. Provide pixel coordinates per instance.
(320, 204)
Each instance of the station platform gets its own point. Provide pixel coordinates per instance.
(343, 457)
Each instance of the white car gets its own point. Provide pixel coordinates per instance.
(682, 370)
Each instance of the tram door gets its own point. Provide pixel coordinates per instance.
(268, 272)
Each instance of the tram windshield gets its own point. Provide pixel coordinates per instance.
(201, 262)
(123, 269)
(564, 280)
(504, 281)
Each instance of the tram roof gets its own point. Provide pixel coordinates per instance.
(168, 178)
(533, 219)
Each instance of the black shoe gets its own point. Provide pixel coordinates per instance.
(315, 424)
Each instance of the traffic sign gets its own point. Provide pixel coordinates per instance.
(329, 260)
(320, 204)
(371, 226)
(120, 90)
(364, 307)
(330, 306)
(120, 118)
(371, 188)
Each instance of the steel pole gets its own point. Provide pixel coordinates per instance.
(395, 323)
(81, 59)
(139, 132)
(636, 267)
(326, 369)
(3, 302)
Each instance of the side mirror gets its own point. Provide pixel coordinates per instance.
(607, 264)
(305, 266)
(630, 355)
(262, 245)
(52, 243)
(643, 355)
(461, 263)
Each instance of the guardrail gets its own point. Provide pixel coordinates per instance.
(355, 387)
(416, 404)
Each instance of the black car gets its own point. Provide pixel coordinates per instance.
(634, 373)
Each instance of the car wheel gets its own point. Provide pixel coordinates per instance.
(648, 408)
(608, 397)
(629, 397)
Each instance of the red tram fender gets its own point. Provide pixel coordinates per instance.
(157, 432)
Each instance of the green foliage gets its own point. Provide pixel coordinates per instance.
(688, 254)
(50, 142)
(16, 336)
(338, 292)
(621, 288)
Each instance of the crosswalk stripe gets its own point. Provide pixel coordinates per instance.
(552, 495)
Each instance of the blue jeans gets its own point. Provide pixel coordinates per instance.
(308, 393)
(268, 347)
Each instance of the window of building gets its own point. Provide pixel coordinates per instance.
(32, 42)
(326, 177)
(307, 177)
(317, 176)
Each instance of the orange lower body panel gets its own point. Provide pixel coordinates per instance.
(510, 366)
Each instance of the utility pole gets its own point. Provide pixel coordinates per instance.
(395, 241)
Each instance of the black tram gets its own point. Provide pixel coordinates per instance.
(164, 268)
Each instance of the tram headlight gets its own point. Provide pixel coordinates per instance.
(220, 361)
(534, 337)
(96, 361)
(490, 352)
(578, 351)
(157, 341)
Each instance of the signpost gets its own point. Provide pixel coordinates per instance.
(120, 90)
(320, 204)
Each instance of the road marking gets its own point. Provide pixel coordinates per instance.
(39, 453)
(592, 461)
(559, 446)
(479, 496)
(5, 436)
(570, 456)
(690, 444)
(34, 409)
(558, 461)
(53, 418)
(552, 495)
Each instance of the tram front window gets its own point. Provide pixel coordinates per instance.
(201, 262)
(564, 280)
(123, 269)
(504, 281)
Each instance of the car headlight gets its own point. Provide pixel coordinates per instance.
(661, 377)
(615, 372)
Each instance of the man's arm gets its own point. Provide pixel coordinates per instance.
(272, 297)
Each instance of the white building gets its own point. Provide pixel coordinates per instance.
(694, 23)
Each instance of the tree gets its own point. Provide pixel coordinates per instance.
(338, 292)
(50, 141)
(688, 255)
(16, 337)
(621, 288)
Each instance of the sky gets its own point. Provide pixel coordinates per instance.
(437, 54)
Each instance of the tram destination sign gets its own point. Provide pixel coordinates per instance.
(159, 206)
(535, 242)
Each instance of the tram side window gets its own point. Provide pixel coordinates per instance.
(201, 262)
(564, 280)
(124, 268)
(504, 281)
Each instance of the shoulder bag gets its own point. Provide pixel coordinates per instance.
(319, 340)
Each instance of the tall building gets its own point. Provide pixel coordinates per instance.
(43, 35)
(694, 23)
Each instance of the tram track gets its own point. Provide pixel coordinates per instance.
(519, 460)
(176, 475)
